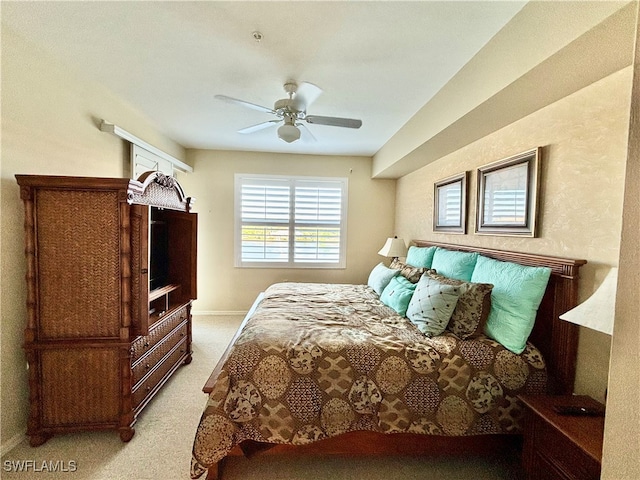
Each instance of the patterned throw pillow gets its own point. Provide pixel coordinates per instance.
(473, 307)
(412, 274)
(432, 304)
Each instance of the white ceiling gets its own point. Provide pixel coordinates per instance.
(378, 61)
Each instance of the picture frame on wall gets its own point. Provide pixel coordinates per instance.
(450, 204)
(507, 195)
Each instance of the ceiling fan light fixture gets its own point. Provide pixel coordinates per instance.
(289, 133)
(292, 111)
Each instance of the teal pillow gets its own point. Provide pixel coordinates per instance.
(452, 264)
(515, 298)
(432, 304)
(380, 277)
(420, 256)
(397, 294)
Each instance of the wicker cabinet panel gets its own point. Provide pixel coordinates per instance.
(98, 349)
(80, 386)
(79, 289)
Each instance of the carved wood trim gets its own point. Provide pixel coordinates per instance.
(160, 190)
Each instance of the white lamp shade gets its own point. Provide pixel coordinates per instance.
(597, 312)
(289, 133)
(393, 247)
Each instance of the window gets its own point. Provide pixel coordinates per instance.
(290, 221)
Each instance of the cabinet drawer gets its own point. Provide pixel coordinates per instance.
(149, 361)
(144, 344)
(157, 377)
(563, 454)
(545, 470)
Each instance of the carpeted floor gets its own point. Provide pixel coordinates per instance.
(161, 447)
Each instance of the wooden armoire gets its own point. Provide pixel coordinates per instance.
(111, 273)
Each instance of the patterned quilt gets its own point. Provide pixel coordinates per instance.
(318, 360)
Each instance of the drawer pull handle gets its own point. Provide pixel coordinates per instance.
(147, 366)
(182, 334)
(148, 389)
(146, 344)
(182, 350)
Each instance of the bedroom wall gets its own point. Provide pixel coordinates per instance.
(584, 140)
(221, 286)
(49, 126)
(621, 434)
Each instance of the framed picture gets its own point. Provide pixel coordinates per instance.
(450, 204)
(508, 195)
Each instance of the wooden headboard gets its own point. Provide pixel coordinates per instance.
(556, 339)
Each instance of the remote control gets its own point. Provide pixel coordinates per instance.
(579, 410)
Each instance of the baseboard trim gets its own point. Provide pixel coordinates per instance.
(12, 443)
(218, 312)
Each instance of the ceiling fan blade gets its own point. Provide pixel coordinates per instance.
(253, 106)
(259, 126)
(307, 136)
(306, 94)
(334, 121)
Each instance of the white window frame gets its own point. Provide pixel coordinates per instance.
(291, 182)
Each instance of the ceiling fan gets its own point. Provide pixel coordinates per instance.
(292, 112)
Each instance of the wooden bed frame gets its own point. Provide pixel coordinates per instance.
(556, 339)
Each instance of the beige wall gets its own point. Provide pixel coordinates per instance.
(49, 126)
(546, 52)
(584, 139)
(622, 435)
(221, 286)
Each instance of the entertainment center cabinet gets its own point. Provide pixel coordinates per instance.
(111, 274)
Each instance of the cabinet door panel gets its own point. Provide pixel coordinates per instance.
(78, 290)
(80, 386)
(183, 237)
(140, 269)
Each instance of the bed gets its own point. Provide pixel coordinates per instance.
(326, 368)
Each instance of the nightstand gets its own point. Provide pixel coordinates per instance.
(556, 446)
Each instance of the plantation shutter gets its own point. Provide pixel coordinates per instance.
(449, 204)
(318, 216)
(292, 221)
(508, 207)
(265, 221)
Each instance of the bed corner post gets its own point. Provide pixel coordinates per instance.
(564, 348)
(214, 472)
